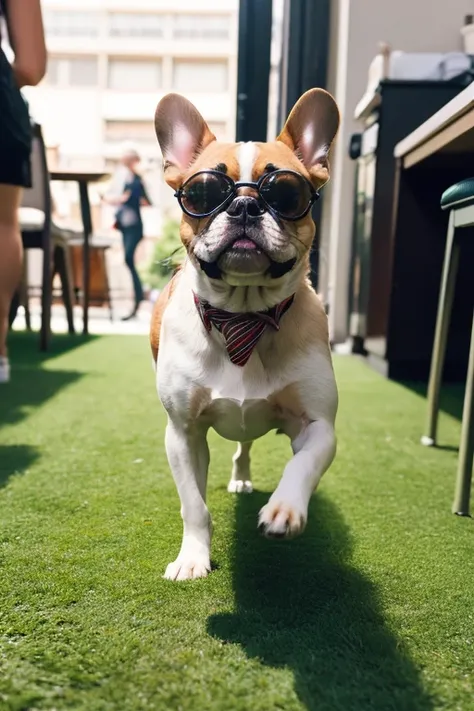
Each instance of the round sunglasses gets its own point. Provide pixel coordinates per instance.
(285, 193)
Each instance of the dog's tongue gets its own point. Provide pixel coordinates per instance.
(244, 243)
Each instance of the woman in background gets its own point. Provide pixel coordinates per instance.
(25, 32)
(128, 219)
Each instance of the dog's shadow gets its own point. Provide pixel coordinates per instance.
(300, 604)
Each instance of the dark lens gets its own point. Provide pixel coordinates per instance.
(287, 193)
(205, 192)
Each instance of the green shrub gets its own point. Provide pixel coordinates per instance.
(167, 256)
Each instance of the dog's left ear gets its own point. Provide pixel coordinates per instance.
(310, 130)
(182, 133)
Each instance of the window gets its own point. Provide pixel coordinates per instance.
(201, 27)
(135, 131)
(72, 71)
(61, 23)
(128, 24)
(52, 71)
(83, 71)
(189, 75)
(134, 75)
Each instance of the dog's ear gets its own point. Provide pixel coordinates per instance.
(310, 130)
(182, 133)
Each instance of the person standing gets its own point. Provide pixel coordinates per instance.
(26, 37)
(128, 219)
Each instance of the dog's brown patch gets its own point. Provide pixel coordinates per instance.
(157, 315)
(278, 155)
(288, 402)
(199, 400)
(212, 155)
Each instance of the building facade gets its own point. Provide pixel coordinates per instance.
(111, 60)
(109, 63)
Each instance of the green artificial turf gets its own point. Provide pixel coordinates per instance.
(371, 609)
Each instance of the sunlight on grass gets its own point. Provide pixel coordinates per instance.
(371, 609)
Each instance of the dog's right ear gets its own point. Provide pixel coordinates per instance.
(310, 131)
(182, 133)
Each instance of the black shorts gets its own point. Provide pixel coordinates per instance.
(15, 131)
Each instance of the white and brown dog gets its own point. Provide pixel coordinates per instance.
(238, 336)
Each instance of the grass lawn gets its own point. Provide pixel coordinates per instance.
(371, 609)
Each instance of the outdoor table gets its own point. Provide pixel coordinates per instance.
(83, 178)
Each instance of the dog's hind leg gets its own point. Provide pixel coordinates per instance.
(240, 481)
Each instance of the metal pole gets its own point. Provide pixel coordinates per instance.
(255, 31)
(306, 30)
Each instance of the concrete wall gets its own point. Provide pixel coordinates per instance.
(357, 26)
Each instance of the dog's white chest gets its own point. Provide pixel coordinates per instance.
(241, 421)
(240, 405)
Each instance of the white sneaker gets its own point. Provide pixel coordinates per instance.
(4, 370)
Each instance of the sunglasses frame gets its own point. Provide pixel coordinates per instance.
(243, 184)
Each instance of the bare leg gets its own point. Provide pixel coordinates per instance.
(188, 456)
(286, 513)
(11, 252)
(240, 482)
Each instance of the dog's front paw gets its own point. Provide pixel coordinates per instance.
(239, 486)
(278, 519)
(188, 567)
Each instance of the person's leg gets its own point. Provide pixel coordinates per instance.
(11, 252)
(131, 237)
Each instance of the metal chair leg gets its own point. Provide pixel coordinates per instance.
(466, 449)
(24, 291)
(445, 304)
(107, 287)
(46, 299)
(66, 285)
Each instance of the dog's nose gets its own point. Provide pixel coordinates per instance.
(245, 208)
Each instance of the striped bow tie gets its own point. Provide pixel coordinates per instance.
(241, 331)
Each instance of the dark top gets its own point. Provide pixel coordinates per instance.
(128, 213)
(15, 127)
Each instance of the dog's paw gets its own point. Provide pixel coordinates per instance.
(188, 568)
(281, 520)
(239, 486)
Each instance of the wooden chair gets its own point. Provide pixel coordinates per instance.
(39, 233)
(459, 199)
(99, 289)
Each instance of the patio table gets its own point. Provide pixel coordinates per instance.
(83, 178)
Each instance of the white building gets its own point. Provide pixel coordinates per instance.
(109, 63)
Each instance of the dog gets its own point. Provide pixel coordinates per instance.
(239, 337)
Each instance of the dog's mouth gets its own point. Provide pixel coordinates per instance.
(243, 257)
(243, 243)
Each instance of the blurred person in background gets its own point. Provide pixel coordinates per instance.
(128, 218)
(26, 38)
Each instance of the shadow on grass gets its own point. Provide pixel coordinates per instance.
(29, 389)
(302, 605)
(23, 346)
(451, 398)
(31, 385)
(15, 459)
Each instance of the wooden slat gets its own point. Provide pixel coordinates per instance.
(80, 176)
(450, 135)
(449, 113)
